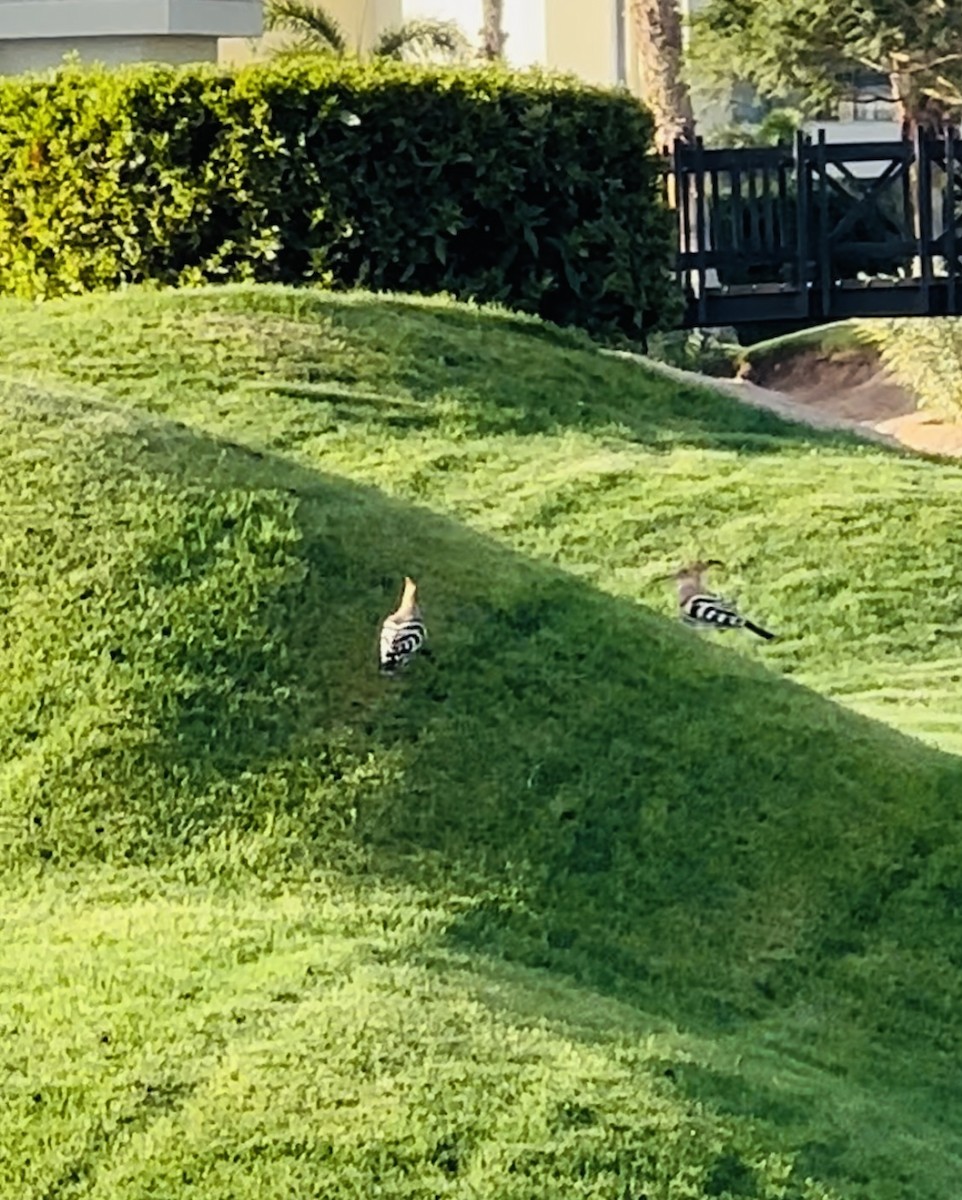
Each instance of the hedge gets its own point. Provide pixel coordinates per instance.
(526, 189)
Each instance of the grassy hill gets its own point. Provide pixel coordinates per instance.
(586, 905)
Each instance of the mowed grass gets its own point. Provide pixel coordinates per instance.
(318, 1042)
(586, 905)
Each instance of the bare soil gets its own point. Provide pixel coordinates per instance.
(851, 387)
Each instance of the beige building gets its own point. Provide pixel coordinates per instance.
(585, 37)
(588, 38)
(35, 34)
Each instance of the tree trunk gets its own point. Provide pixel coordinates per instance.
(657, 35)
(925, 114)
(916, 110)
(492, 30)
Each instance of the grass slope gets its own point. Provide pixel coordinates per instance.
(586, 905)
(835, 338)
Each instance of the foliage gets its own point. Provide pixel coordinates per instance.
(312, 25)
(708, 351)
(776, 128)
(423, 40)
(315, 31)
(585, 904)
(804, 49)
(524, 189)
(925, 357)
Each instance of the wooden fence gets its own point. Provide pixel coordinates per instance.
(817, 231)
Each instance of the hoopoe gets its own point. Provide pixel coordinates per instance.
(700, 608)
(403, 632)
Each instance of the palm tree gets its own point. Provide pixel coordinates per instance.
(656, 25)
(492, 30)
(314, 31)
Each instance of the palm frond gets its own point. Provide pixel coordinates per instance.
(423, 39)
(315, 28)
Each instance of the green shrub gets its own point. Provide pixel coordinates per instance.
(526, 189)
(925, 357)
(708, 351)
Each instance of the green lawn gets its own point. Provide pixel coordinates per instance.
(587, 905)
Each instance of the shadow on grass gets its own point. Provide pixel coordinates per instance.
(624, 802)
(670, 813)
(654, 412)
(323, 360)
(607, 797)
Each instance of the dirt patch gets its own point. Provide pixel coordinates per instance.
(852, 387)
(746, 392)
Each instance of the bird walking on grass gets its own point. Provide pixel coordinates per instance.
(403, 633)
(700, 608)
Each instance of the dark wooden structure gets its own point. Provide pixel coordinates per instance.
(818, 231)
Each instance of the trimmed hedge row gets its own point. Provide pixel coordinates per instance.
(525, 189)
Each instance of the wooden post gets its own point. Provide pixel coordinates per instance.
(700, 230)
(923, 231)
(824, 250)
(948, 207)
(683, 191)
(801, 217)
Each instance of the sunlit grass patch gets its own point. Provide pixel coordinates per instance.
(584, 905)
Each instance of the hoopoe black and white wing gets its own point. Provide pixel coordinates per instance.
(403, 632)
(706, 611)
(401, 638)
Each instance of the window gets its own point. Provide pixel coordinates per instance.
(867, 96)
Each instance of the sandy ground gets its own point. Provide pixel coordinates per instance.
(846, 390)
(851, 385)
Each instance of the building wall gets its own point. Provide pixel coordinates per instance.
(362, 20)
(567, 35)
(38, 54)
(128, 18)
(527, 32)
(582, 37)
(36, 34)
(468, 14)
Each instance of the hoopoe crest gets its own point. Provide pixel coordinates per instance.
(403, 632)
(702, 609)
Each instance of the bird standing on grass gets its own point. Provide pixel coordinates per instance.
(403, 632)
(700, 608)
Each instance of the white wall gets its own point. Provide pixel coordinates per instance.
(856, 131)
(466, 13)
(566, 35)
(524, 24)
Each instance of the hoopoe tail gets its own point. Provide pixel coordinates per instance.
(762, 633)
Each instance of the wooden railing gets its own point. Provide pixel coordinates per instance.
(818, 230)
